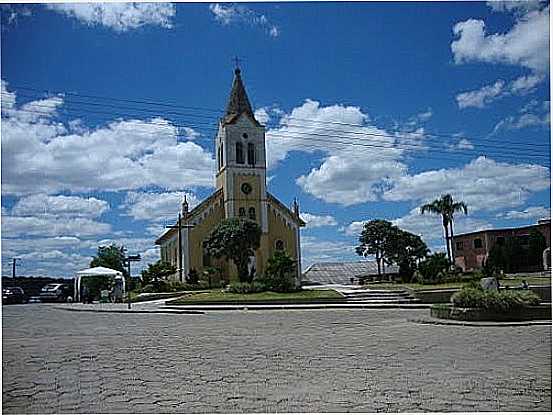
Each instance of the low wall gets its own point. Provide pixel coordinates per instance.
(442, 296)
(260, 302)
(542, 291)
(541, 312)
(434, 296)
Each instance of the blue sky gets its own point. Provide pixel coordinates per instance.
(371, 110)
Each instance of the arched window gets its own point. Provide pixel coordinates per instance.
(251, 154)
(241, 212)
(239, 153)
(251, 213)
(279, 245)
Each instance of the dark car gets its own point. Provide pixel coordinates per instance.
(56, 293)
(13, 295)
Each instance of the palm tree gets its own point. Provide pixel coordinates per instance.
(446, 207)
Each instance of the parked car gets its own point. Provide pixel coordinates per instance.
(13, 295)
(56, 293)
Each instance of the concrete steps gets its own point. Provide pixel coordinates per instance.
(379, 296)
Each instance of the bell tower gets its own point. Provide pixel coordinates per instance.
(241, 158)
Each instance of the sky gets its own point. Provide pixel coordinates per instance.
(109, 111)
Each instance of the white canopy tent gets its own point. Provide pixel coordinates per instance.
(95, 272)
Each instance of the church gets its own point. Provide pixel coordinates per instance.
(240, 191)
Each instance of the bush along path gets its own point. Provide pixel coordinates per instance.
(476, 304)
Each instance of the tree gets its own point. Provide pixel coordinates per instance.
(390, 244)
(433, 268)
(280, 273)
(235, 239)
(373, 240)
(112, 256)
(446, 207)
(406, 250)
(159, 270)
(536, 246)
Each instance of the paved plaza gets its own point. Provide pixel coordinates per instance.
(267, 361)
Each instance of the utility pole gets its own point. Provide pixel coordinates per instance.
(14, 264)
(129, 259)
(180, 226)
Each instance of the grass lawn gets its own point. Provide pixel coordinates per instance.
(215, 296)
(511, 282)
(136, 298)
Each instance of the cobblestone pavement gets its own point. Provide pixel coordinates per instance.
(267, 361)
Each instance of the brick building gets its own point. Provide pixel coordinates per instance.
(470, 250)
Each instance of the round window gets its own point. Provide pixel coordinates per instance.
(246, 188)
(245, 135)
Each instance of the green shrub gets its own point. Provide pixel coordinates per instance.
(172, 286)
(499, 301)
(280, 273)
(192, 277)
(246, 287)
(433, 269)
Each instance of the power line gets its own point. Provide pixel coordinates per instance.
(308, 137)
(221, 112)
(427, 137)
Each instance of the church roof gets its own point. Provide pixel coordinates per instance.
(341, 272)
(238, 102)
(206, 202)
(299, 221)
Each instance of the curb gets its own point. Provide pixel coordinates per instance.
(253, 307)
(437, 322)
(131, 311)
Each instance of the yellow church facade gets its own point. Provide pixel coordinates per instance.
(240, 191)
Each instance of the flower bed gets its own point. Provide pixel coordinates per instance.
(473, 304)
(446, 311)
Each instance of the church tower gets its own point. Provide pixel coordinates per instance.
(240, 192)
(241, 159)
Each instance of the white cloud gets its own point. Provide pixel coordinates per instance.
(190, 133)
(14, 226)
(531, 115)
(349, 179)
(526, 44)
(347, 140)
(53, 263)
(132, 244)
(10, 14)
(39, 155)
(480, 97)
(317, 221)
(515, 6)
(157, 207)
(525, 84)
(236, 14)
(262, 115)
(429, 227)
(120, 17)
(532, 212)
(425, 116)
(61, 206)
(21, 245)
(483, 184)
(354, 228)
(462, 144)
(320, 250)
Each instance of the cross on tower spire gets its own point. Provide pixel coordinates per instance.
(237, 62)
